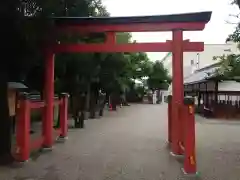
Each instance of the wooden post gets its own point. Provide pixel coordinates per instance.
(49, 100)
(178, 90)
(216, 93)
(64, 115)
(22, 129)
(170, 119)
(189, 138)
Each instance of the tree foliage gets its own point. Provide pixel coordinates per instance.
(237, 2)
(230, 64)
(26, 33)
(158, 77)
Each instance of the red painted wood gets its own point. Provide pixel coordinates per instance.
(190, 156)
(57, 102)
(135, 27)
(183, 111)
(182, 146)
(40, 104)
(169, 120)
(37, 105)
(111, 38)
(22, 131)
(49, 100)
(138, 47)
(145, 47)
(177, 93)
(64, 115)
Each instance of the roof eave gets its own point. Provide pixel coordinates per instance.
(201, 17)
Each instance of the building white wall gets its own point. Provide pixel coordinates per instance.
(205, 57)
(164, 95)
(228, 86)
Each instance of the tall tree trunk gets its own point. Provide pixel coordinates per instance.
(77, 110)
(82, 109)
(5, 127)
(113, 98)
(87, 106)
(102, 99)
(92, 105)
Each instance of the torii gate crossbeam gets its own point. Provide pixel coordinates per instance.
(137, 47)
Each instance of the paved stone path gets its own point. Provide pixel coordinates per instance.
(130, 145)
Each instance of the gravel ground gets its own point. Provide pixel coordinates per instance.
(130, 145)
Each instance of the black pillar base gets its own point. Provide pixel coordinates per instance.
(79, 122)
(101, 112)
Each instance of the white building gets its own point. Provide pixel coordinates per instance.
(193, 61)
(197, 60)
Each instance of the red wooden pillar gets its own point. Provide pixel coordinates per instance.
(63, 115)
(184, 116)
(177, 96)
(22, 129)
(49, 100)
(169, 119)
(189, 142)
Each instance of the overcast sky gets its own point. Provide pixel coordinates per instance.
(215, 32)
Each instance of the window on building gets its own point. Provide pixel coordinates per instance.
(227, 50)
(192, 62)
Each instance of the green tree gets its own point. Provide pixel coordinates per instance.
(26, 29)
(229, 64)
(229, 68)
(14, 53)
(25, 35)
(158, 77)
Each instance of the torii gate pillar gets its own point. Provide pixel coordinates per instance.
(177, 90)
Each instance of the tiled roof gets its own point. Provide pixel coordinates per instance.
(201, 75)
(16, 85)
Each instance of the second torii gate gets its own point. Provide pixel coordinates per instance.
(111, 25)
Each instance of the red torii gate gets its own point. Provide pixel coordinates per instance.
(110, 25)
